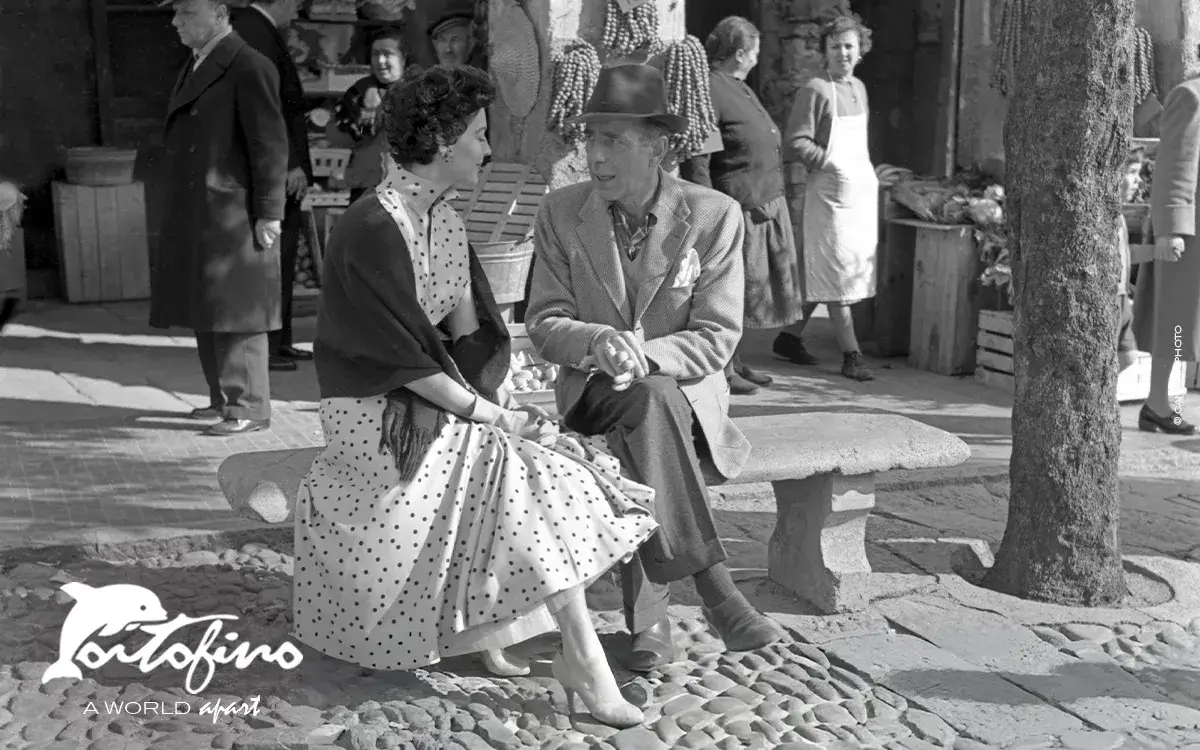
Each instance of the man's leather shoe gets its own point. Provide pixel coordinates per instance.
(739, 386)
(291, 352)
(231, 427)
(279, 364)
(758, 378)
(205, 413)
(652, 648)
(740, 626)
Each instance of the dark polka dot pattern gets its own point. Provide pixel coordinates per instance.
(437, 240)
(480, 547)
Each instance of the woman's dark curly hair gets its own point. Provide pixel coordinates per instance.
(432, 108)
(846, 23)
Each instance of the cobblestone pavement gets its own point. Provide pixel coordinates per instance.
(793, 695)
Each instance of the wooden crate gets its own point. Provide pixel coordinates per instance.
(103, 253)
(994, 356)
(1133, 383)
(994, 350)
(503, 204)
(945, 298)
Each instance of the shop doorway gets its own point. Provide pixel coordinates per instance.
(906, 80)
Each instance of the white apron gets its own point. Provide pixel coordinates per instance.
(841, 216)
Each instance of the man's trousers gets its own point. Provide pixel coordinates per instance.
(651, 429)
(236, 369)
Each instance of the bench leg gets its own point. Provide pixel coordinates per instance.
(818, 550)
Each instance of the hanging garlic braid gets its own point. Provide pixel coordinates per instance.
(1145, 74)
(1008, 46)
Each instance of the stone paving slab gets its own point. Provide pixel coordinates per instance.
(1100, 692)
(961, 692)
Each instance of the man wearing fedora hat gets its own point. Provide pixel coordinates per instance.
(224, 172)
(638, 295)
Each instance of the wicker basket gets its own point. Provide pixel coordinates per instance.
(99, 166)
(516, 60)
(506, 265)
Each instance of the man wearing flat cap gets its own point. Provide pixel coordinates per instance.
(453, 38)
(637, 294)
(224, 168)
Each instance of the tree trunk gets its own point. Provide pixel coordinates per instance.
(1065, 139)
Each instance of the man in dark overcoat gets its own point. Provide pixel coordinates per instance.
(224, 171)
(261, 25)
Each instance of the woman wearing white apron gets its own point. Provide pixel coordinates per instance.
(827, 133)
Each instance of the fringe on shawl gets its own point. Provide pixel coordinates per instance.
(410, 425)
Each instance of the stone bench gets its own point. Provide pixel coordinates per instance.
(822, 467)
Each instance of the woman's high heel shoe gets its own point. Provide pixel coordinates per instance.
(620, 715)
(500, 664)
(1174, 424)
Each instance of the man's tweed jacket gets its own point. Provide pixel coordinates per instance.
(690, 323)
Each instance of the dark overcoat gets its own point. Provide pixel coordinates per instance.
(224, 167)
(260, 33)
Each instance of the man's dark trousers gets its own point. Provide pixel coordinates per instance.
(289, 245)
(235, 368)
(650, 428)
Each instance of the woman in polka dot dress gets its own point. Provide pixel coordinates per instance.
(436, 521)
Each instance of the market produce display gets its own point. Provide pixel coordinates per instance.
(636, 31)
(306, 269)
(575, 75)
(1143, 192)
(527, 374)
(971, 199)
(686, 77)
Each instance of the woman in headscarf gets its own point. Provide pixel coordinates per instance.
(749, 169)
(441, 518)
(827, 133)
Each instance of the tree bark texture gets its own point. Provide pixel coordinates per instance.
(1065, 138)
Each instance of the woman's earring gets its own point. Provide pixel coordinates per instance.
(445, 154)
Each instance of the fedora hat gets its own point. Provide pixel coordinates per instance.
(631, 91)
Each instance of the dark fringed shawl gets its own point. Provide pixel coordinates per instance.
(373, 337)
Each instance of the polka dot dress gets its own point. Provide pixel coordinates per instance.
(481, 546)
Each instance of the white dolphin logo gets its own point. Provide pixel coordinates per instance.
(108, 609)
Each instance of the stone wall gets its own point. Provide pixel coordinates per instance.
(526, 140)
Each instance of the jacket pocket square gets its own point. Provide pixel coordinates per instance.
(689, 270)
